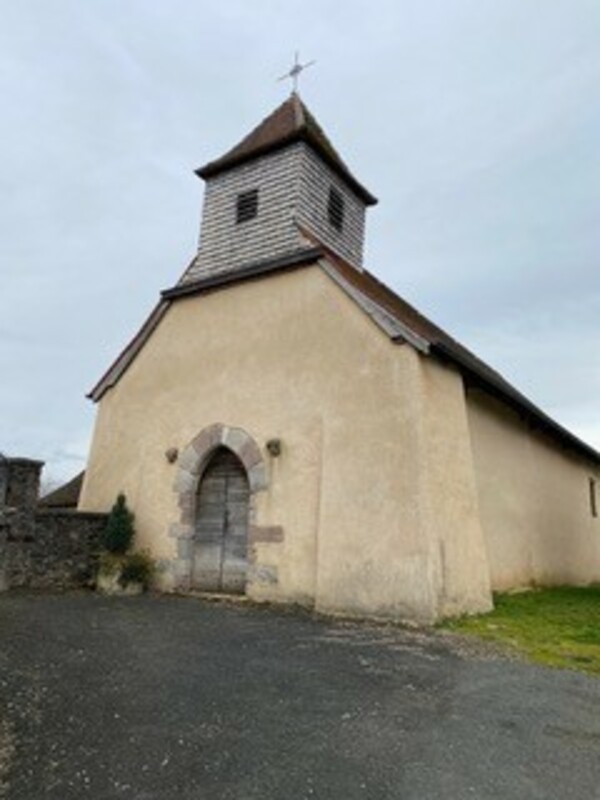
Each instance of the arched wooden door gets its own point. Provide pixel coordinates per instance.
(221, 531)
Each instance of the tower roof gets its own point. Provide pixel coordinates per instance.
(290, 122)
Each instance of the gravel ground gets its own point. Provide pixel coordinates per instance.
(166, 698)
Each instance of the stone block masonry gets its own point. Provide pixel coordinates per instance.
(42, 548)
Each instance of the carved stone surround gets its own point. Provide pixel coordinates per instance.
(190, 467)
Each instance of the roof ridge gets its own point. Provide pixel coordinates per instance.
(299, 110)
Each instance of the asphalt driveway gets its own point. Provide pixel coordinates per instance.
(178, 699)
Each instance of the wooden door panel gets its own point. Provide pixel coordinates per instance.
(236, 527)
(206, 573)
(220, 549)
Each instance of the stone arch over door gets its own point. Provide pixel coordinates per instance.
(190, 467)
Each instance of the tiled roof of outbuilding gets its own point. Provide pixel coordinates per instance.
(290, 122)
(66, 496)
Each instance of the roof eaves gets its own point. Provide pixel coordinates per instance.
(302, 134)
(340, 169)
(129, 352)
(498, 386)
(112, 375)
(438, 343)
(393, 327)
(225, 163)
(299, 258)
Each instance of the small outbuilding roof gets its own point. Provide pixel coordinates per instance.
(290, 122)
(66, 496)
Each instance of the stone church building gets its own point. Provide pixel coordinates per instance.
(286, 426)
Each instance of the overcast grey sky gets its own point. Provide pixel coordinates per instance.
(475, 122)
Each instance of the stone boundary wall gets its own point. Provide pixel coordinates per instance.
(43, 548)
(61, 554)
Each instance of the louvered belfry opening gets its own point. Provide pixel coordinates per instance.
(246, 206)
(221, 531)
(335, 209)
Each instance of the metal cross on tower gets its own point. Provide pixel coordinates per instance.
(295, 71)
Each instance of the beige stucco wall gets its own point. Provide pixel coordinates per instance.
(533, 499)
(448, 495)
(291, 356)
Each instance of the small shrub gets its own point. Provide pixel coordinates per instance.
(137, 568)
(119, 527)
(110, 563)
(118, 567)
(127, 568)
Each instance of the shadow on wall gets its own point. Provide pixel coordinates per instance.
(44, 544)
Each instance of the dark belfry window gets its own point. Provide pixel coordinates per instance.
(335, 209)
(246, 206)
(593, 498)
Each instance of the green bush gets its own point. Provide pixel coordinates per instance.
(124, 568)
(110, 564)
(128, 567)
(137, 568)
(119, 527)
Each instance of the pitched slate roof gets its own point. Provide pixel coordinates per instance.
(400, 321)
(66, 496)
(290, 122)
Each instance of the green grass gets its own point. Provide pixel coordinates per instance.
(557, 627)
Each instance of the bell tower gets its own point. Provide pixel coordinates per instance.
(282, 189)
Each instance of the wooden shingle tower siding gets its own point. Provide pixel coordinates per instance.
(261, 193)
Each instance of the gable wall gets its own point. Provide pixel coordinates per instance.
(533, 500)
(289, 357)
(396, 498)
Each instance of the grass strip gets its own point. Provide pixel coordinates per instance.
(558, 627)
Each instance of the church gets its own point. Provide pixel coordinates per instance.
(287, 427)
